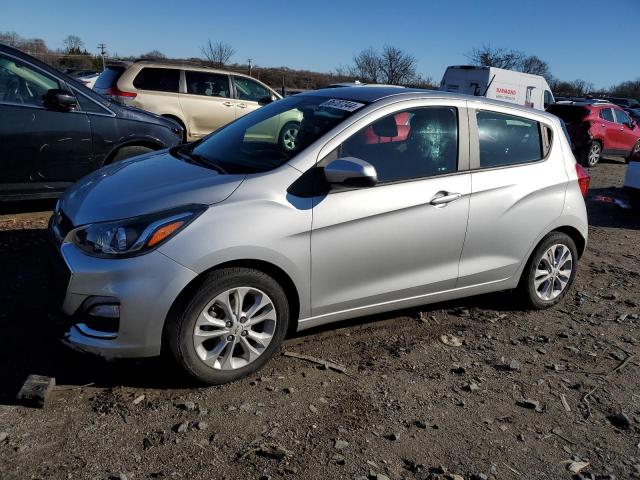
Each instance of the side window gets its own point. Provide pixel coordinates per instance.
(606, 114)
(207, 84)
(88, 105)
(548, 99)
(622, 117)
(249, 90)
(507, 140)
(411, 144)
(158, 79)
(21, 84)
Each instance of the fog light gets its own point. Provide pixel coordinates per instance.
(105, 311)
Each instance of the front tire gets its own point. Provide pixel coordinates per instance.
(550, 271)
(232, 325)
(128, 152)
(635, 153)
(288, 136)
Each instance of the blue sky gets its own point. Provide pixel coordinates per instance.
(599, 45)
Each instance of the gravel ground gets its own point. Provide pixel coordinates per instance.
(525, 395)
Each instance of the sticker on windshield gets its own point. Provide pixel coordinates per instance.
(346, 105)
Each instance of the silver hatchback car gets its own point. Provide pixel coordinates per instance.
(391, 198)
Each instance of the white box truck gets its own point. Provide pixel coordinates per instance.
(499, 84)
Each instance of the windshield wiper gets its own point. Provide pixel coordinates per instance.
(201, 160)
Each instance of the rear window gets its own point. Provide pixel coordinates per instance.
(507, 140)
(158, 79)
(606, 114)
(109, 77)
(568, 113)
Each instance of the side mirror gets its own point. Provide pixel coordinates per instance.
(350, 172)
(265, 100)
(58, 99)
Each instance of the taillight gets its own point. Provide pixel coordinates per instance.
(583, 179)
(115, 92)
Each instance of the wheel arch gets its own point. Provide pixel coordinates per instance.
(132, 143)
(278, 274)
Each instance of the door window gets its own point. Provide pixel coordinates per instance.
(207, 84)
(411, 144)
(606, 114)
(22, 84)
(507, 140)
(249, 90)
(548, 99)
(622, 117)
(158, 79)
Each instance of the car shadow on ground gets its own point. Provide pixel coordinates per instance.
(31, 326)
(603, 211)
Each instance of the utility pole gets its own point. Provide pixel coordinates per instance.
(103, 49)
(250, 60)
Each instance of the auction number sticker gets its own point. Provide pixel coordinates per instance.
(346, 105)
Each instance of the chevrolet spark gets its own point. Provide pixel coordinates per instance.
(214, 250)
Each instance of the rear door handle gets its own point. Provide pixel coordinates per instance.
(442, 198)
(241, 105)
(228, 104)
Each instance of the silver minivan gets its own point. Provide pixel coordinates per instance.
(392, 198)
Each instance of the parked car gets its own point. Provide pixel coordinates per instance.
(89, 80)
(214, 250)
(499, 84)
(199, 98)
(54, 130)
(599, 129)
(624, 102)
(634, 113)
(632, 182)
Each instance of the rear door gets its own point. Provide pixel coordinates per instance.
(207, 103)
(394, 242)
(41, 149)
(519, 183)
(609, 129)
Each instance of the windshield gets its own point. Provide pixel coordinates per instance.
(270, 136)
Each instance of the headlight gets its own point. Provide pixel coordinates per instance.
(133, 236)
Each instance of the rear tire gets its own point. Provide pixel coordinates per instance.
(592, 154)
(128, 152)
(217, 342)
(550, 271)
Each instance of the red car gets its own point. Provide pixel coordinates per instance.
(599, 129)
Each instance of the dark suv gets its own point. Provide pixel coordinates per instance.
(54, 130)
(599, 129)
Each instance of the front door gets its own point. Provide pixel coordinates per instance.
(249, 93)
(398, 240)
(40, 149)
(626, 137)
(207, 103)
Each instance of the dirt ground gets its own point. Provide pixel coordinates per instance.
(526, 395)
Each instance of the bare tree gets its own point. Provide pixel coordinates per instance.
(487, 56)
(217, 54)
(154, 55)
(534, 65)
(73, 44)
(10, 38)
(396, 67)
(366, 66)
(581, 87)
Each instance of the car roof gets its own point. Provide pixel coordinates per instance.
(375, 94)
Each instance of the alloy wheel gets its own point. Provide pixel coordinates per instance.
(594, 154)
(235, 328)
(289, 138)
(553, 272)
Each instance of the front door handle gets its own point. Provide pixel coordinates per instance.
(228, 104)
(442, 198)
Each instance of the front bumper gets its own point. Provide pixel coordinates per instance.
(145, 287)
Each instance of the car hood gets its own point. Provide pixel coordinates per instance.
(145, 184)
